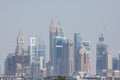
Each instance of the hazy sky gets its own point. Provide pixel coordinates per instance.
(88, 17)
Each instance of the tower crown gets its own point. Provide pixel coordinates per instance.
(20, 43)
(101, 38)
(53, 26)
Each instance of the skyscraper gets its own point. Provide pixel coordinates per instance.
(58, 55)
(100, 55)
(52, 34)
(83, 58)
(77, 44)
(86, 45)
(34, 59)
(108, 60)
(41, 54)
(19, 55)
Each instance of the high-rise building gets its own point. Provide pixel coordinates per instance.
(100, 56)
(83, 58)
(34, 59)
(58, 55)
(68, 57)
(41, 54)
(77, 44)
(108, 60)
(10, 65)
(52, 34)
(116, 62)
(86, 45)
(17, 63)
(20, 55)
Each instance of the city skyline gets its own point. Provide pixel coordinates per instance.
(87, 18)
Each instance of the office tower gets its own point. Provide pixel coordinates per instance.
(77, 44)
(34, 59)
(100, 55)
(19, 55)
(68, 57)
(52, 34)
(10, 65)
(17, 63)
(83, 58)
(108, 60)
(86, 45)
(41, 54)
(58, 55)
(116, 62)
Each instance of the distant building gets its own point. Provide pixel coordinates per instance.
(83, 57)
(100, 55)
(77, 44)
(10, 65)
(34, 59)
(86, 45)
(58, 59)
(116, 63)
(17, 64)
(68, 60)
(52, 34)
(108, 60)
(41, 54)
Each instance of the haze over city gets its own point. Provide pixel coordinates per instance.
(90, 18)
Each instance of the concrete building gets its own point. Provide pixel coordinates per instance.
(108, 60)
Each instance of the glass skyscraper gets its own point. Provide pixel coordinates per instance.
(34, 59)
(52, 34)
(77, 44)
(101, 56)
(58, 56)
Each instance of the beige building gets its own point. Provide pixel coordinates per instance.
(108, 60)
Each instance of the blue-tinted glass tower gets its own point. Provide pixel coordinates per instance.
(77, 44)
(101, 51)
(58, 56)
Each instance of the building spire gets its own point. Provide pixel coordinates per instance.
(53, 26)
(60, 30)
(20, 43)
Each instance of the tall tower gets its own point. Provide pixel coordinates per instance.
(101, 50)
(108, 60)
(77, 44)
(70, 56)
(34, 59)
(83, 57)
(58, 55)
(19, 55)
(52, 34)
(20, 44)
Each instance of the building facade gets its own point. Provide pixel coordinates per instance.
(34, 59)
(58, 56)
(101, 52)
(77, 44)
(52, 34)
